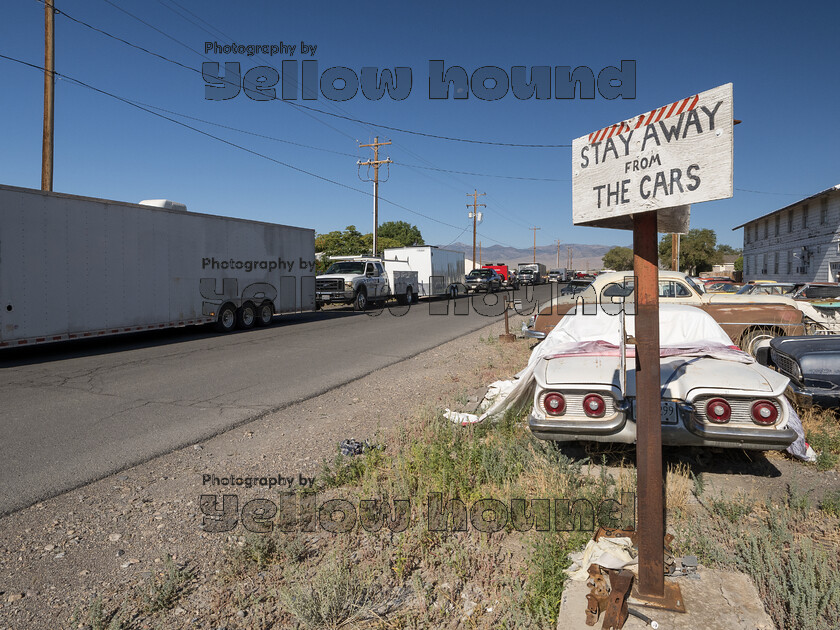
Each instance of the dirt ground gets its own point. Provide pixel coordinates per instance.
(105, 540)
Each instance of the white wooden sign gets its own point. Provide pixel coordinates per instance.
(662, 160)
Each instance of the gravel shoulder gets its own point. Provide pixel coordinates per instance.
(104, 539)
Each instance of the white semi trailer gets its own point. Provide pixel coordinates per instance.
(78, 267)
(440, 271)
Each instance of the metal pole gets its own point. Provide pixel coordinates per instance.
(49, 97)
(651, 526)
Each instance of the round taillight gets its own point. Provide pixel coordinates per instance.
(718, 410)
(594, 406)
(554, 404)
(764, 412)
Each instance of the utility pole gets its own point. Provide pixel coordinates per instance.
(558, 253)
(479, 254)
(569, 257)
(474, 214)
(535, 241)
(675, 252)
(375, 163)
(49, 96)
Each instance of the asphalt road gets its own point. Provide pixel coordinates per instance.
(75, 412)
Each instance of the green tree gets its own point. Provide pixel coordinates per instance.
(400, 232)
(728, 250)
(698, 251)
(739, 263)
(350, 242)
(619, 258)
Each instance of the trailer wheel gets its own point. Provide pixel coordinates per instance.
(226, 320)
(360, 302)
(246, 316)
(265, 313)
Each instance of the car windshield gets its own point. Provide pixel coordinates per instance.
(693, 285)
(347, 267)
(480, 273)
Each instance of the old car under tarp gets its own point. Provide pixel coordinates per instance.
(713, 394)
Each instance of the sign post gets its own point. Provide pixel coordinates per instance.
(643, 174)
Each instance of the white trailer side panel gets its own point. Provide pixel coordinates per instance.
(76, 266)
(437, 269)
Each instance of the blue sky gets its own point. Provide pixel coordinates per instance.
(783, 65)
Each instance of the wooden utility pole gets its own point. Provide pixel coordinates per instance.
(49, 96)
(569, 257)
(479, 254)
(375, 163)
(475, 195)
(675, 252)
(558, 253)
(535, 241)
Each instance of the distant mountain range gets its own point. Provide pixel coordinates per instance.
(583, 256)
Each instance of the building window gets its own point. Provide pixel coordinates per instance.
(776, 263)
(764, 258)
(823, 210)
(766, 227)
(805, 216)
(778, 223)
(790, 262)
(790, 220)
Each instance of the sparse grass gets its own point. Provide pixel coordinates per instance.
(822, 432)
(546, 563)
(337, 594)
(733, 511)
(98, 618)
(678, 486)
(164, 588)
(778, 548)
(830, 503)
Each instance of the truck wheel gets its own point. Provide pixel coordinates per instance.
(246, 316)
(453, 291)
(227, 319)
(404, 300)
(265, 313)
(360, 303)
(756, 338)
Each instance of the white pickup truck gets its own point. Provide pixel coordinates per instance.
(359, 281)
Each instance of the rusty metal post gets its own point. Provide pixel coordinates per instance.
(651, 525)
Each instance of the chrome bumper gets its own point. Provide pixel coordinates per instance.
(530, 333)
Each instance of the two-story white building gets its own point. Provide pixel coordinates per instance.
(798, 243)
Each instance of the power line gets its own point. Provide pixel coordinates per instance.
(228, 142)
(164, 58)
(300, 105)
(445, 170)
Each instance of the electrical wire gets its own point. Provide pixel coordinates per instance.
(228, 142)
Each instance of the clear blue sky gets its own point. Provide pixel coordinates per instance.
(782, 60)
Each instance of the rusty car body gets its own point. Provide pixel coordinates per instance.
(751, 321)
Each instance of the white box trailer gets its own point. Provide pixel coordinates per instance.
(74, 267)
(440, 271)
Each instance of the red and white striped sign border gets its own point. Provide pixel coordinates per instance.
(654, 116)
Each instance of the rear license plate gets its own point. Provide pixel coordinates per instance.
(669, 412)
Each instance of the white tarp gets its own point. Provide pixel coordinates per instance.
(683, 331)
